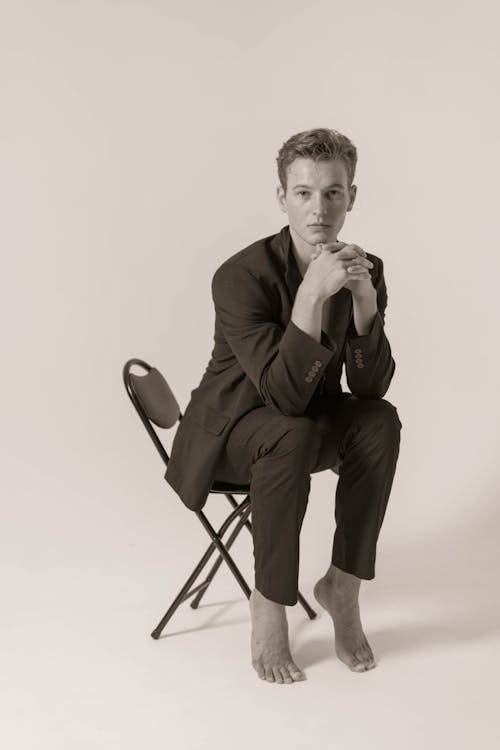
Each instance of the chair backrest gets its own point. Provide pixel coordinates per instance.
(153, 400)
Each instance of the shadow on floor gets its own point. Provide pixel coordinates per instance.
(444, 590)
(219, 610)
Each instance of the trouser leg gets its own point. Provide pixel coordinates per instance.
(281, 481)
(363, 435)
(275, 453)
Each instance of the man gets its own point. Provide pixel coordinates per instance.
(291, 310)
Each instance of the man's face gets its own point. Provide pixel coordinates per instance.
(317, 198)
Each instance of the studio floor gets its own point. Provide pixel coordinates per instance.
(81, 671)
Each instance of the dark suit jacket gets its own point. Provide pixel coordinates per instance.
(260, 357)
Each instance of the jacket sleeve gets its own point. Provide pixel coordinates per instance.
(285, 366)
(368, 358)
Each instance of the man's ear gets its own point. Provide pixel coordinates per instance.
(280, 194)
(352, 196)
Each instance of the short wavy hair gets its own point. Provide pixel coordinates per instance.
(318, 144)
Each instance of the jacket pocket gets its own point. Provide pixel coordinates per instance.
(212, 421)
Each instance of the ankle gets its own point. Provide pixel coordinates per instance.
(262, 601)
(340, 582)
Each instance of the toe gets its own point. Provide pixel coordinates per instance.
(363, 663)
(269, 674)
(371, 661)
(257, 665)
(286, 675)
(367, 657)
(371, 656)
(358, 666)
(356, 663)
(295, 673)
(277, 675)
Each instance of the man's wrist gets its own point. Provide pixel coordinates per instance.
(310, 296)
(364, 312)
(368, 294)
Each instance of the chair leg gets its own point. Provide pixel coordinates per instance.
(186, 591)
(309, 610)
(217, 543)
(225, 554)
(211, 575)
(307, 607)
(183, 593)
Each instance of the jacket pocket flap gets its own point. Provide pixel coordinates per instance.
(211, 420)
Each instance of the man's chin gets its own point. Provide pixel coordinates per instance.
(319, 235)
(316, 236)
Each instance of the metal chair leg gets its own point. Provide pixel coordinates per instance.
(211, 575)
(225, 554)
(186, 591)
(309, 610)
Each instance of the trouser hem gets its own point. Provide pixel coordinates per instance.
(277, 597)
(366, 573)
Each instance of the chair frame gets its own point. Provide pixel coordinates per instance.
(240, 510)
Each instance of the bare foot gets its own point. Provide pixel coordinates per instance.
(338, 593)
(271, 657)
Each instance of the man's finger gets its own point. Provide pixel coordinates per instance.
(334, 247)
(356, 248)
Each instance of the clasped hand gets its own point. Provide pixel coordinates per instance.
(353, 271)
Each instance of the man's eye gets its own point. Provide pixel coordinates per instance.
(302, 192)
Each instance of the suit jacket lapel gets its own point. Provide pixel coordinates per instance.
(293, 279)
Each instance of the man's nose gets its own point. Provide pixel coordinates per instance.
(319, 207)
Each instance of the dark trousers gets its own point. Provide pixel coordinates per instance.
(277, 454)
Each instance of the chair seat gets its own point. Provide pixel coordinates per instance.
(244, 489)
(232, 489)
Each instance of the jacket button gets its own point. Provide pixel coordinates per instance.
(309, 379)
(357, 351)
(318, 362)
(314, 368)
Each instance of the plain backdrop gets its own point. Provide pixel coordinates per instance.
(138, 147)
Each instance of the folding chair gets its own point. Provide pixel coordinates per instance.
(156, 404)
